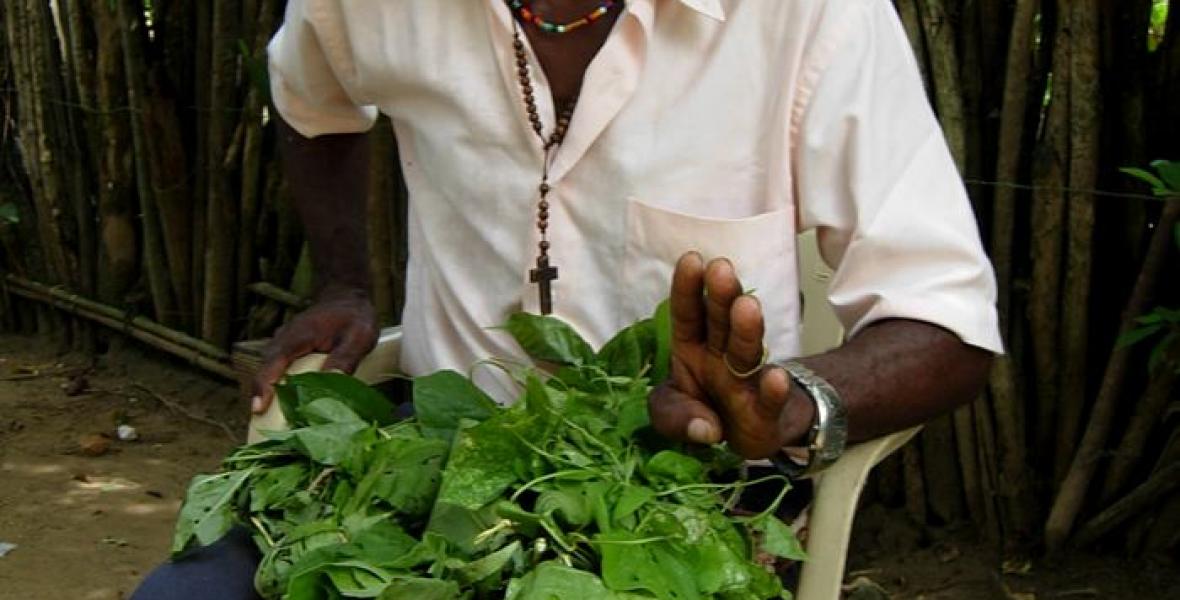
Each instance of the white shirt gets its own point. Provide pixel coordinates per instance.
(724, 126)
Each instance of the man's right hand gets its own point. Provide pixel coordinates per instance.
(342, 323)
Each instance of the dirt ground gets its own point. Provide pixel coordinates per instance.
(88, 527)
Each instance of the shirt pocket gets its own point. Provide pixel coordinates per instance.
(761, 248)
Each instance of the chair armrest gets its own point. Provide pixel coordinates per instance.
(378, 366)
(837, 491)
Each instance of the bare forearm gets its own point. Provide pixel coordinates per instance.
(896, 374)
(329, 179)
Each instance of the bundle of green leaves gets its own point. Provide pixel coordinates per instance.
(566, 494)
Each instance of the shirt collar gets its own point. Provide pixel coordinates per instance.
(709, 8)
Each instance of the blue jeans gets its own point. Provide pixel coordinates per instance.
(221, 571)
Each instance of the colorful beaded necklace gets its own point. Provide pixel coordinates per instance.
(526, 14)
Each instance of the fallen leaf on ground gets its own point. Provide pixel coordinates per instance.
(94, 444)
(863, 588)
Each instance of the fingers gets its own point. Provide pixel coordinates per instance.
(744, 346)
(721, 289)
(356, 343)
(679, 416)
(287, 346)
(774, 387)
(687, 300)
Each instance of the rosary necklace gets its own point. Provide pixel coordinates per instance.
(544, 273)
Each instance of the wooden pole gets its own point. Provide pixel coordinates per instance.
(1085, 109)
(1050, 164)
(154, 259)
(197, 352)
(1072, 494)
(217, 319)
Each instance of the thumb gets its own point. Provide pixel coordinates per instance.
(277, 357)
(682, 417)
(262, 386)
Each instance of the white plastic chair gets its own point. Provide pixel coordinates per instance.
(837, 490)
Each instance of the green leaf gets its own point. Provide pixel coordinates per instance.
(330, 443)
(777, 538)
(208, 511)
(548, 339)
(630, 563)
(1137, 335)
(632, 498)
(383, 543)
(358, 579)
(630, 351)
(719, 567)
(410, 480)
(675, 466)
(663, 361)
(1159, 352)
(460, 526)
(480, 467)
(277, 484)
(1145, 176)
(482, 568)
(573, 504)
(443, 399)
(555, 581)
(9, 213)
(328, 410)
(297, 391)
(420, 588)
(1170, 172)
(633, 414)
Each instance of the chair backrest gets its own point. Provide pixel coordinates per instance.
(822, 331)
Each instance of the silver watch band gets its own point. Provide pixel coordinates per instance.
(829, 432)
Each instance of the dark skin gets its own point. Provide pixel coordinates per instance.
(892, 375)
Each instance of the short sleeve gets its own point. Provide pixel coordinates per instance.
(876, 180)
(313, 77)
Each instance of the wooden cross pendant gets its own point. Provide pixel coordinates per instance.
(543, 276)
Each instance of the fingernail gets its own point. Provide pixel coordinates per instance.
(701, 431)
(256, 404)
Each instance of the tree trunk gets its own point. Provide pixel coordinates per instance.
(941, 469)
(155, 261)
(944, 75)
(915, 483)
(1085, 103)
(253, 181)
(967, 442)
(989, 487)
(1069, 499)
(1148, 414)
(1010, 416)
(1048, 214)
(119, 249)
(203, 52)
(217, 320)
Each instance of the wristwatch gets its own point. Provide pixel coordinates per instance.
(829, 432)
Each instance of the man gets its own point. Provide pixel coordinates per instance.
(579, 155)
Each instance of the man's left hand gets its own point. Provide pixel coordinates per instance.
(716, 390)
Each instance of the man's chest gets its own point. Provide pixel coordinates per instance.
(673, 101)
